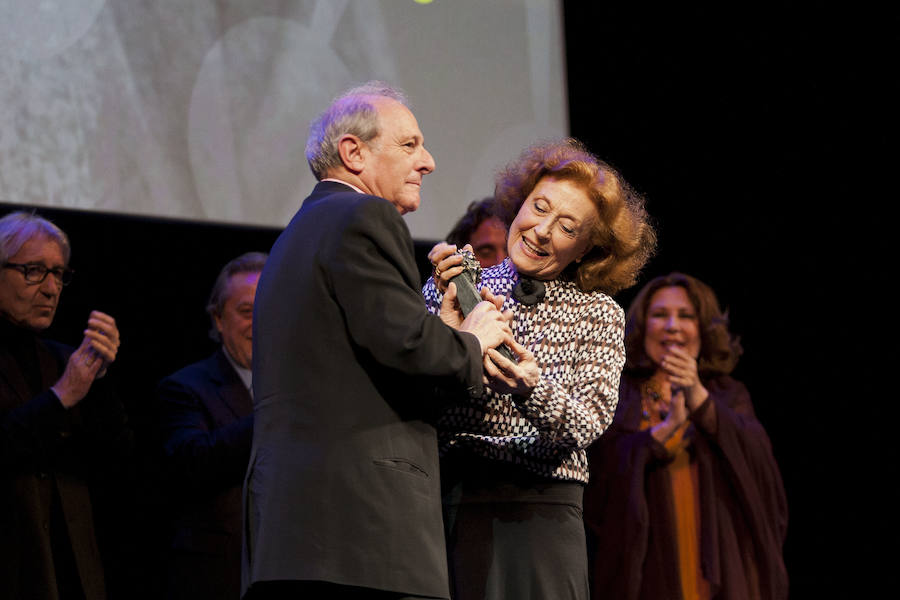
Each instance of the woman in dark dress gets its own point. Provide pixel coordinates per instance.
(685, 499)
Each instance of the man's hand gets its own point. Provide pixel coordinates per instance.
(89, 361)
(104, 337)
(488, 324)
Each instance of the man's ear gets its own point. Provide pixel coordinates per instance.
(217, 319)
(353, 152)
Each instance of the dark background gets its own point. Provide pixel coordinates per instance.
(752, 132)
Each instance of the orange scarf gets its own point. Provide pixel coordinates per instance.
(655, 401)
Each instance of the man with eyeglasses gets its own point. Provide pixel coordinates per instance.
(56, 423)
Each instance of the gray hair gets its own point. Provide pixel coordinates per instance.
(249, 262)
(18, 227)
(352, 112)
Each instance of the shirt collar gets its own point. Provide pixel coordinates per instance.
(345, 183)
(246, 375)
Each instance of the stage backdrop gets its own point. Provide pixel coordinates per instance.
(199, 110)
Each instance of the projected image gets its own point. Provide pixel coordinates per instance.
(199, 110)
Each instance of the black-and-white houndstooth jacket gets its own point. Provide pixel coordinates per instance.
(577, 339)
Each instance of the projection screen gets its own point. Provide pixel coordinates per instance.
(199, 110)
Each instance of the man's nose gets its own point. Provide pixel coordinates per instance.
(51, 286)
(427, 165)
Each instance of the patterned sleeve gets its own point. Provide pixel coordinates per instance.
(432, 297)
(575, 399)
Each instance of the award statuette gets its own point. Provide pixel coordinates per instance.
(467, 291)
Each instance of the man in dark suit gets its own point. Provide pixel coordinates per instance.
(342, 495)
(60, 427)
(206, 417)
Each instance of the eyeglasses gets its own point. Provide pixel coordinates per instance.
(36, 273)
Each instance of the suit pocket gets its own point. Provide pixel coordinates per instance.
(403, 465)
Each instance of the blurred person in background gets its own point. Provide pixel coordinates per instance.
(685, 499)
(483, 228)
(206, 419)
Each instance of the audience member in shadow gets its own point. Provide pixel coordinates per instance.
(206, 422)
(62, 428)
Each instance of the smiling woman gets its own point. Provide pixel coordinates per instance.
(554, 227)
(514, 461)
(685, 475)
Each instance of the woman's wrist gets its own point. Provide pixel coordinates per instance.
(695, 397)
(663, 430)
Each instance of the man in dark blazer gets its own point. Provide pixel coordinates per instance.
(206, 419)
(343, 493)
(60, 428)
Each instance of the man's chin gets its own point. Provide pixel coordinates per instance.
(406, 205)
(37, 323)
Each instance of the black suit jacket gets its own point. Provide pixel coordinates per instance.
(48, 458)
(343, 484)
(206, 418)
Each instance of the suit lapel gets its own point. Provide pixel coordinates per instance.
(229, 387)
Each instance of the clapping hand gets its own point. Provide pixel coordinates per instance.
(90, 360)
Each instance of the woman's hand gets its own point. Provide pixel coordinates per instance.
(683, 376)
(447, 264)
(508, 377)
(675, 417)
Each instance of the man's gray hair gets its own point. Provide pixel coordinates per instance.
(250, 262)
(352, 112)
(18, 227)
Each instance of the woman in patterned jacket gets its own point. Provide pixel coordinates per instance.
(514, 463)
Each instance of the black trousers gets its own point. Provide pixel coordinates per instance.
(319, 590)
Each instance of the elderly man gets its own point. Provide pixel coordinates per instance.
(57, 423)
(343, 492)
(206, 416)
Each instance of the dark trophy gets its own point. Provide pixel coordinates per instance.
(467, 291)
